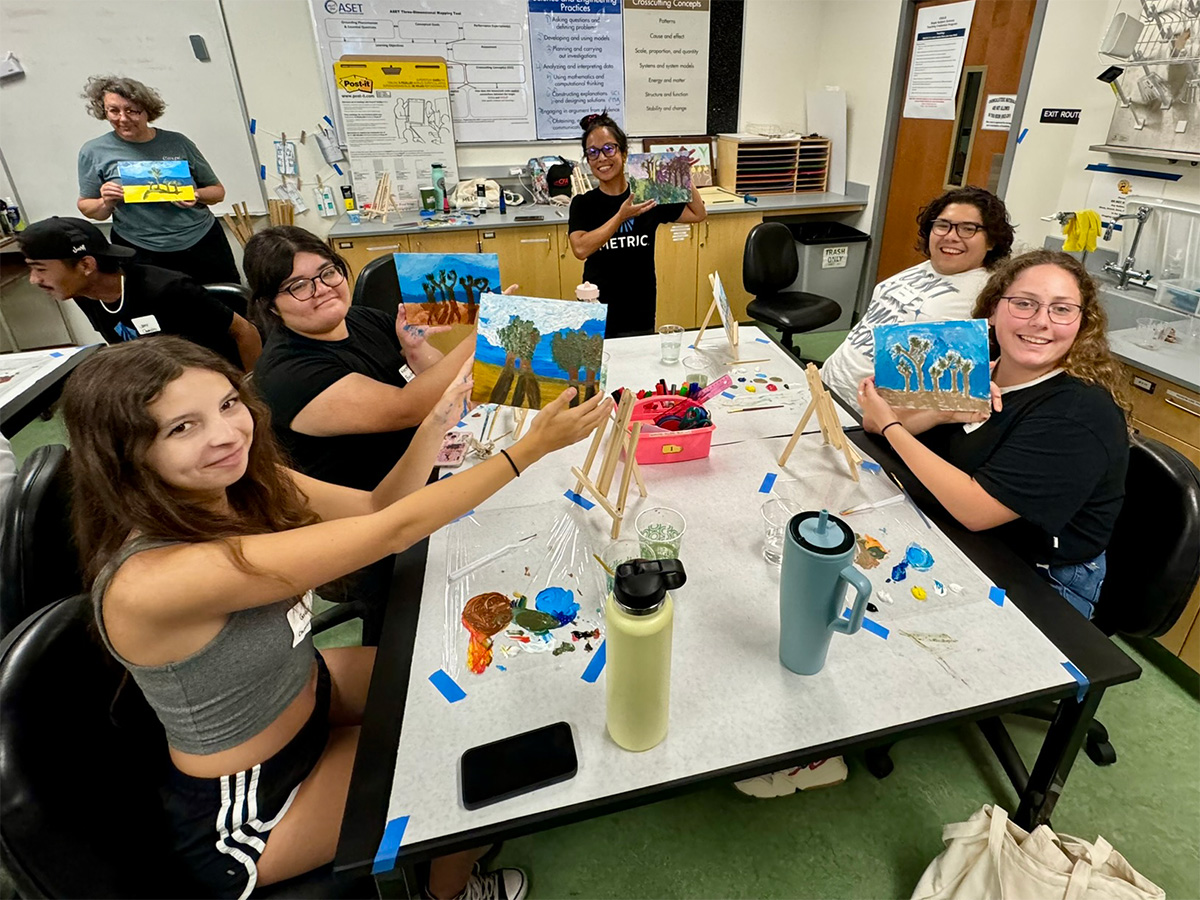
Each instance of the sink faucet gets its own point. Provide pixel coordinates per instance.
(1126, 272)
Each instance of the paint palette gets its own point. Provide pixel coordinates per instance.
(534, 607)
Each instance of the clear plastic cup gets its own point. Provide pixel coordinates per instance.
(776, 513)
(614, 554)
(670, 341)
(1150, 333)
(660, 532)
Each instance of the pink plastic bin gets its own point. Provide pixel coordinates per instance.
(669, 446)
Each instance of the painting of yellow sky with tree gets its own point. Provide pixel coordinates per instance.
(529, 349)
(934, 365)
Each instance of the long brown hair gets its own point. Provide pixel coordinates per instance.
(1089, 358)
(116, 493)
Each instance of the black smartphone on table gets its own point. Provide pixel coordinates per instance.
(517, 765)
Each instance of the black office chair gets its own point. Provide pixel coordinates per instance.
(38, 560)
(769, 265)
(378, 286)
(235, 296)
(80, 753)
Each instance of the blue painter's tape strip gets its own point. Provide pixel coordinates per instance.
(56, 354)
(464, 516)
(596, 666)
(444, 476)
(1123, 170)
(389, 845)
(870, 625)
(768, 483)
(329, 120)
(693, 346)
(762, 340)
(447, 686)
(580, 499)
(253, 125)
(727, 394)
(1079, 677)
(460, 424)
(871, 466)
(996, 595)
(262, 172)
(336, 168)
(1021, 136)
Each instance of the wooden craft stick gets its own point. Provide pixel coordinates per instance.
(597, 438)
(595, 492)
(630, 463)
(620, 429)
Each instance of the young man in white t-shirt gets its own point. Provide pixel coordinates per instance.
(964, 232)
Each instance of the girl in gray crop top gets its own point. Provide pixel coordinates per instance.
(203, 549)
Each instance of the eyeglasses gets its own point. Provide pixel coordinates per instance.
(966, 230)
(1060, 313)
(607, 150)
(306, 288)
(114, 112)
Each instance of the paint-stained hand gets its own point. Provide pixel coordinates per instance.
(558, 426)
(448, 410)
(413, 336)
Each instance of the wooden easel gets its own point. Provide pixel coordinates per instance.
(831, 429)
(383, 202)
(731, 329)
(620, 438)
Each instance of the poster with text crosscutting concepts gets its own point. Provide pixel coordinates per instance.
(666, 66)
(577, 63)
(396, 121)
(939, 45)
(485, 44)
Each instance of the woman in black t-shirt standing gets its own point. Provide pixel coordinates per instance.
(615, 236)
(1046, 469)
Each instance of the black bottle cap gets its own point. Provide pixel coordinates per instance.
(641, 585)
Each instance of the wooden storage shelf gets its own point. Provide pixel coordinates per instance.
(747, 165)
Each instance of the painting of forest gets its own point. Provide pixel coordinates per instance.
(529, 349)
(444, 288)
(934, 365)
(665, 177)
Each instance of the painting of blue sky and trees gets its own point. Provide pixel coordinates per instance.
(444, 288)
(934, 365)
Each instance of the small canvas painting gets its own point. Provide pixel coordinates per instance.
(528, 350)
(665, 177)
(444, 288)
(731, 325)
(156, 180)
(934, 365)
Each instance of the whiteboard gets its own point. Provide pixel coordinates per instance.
(43, 120)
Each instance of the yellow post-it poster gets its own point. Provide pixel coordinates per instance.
(156, 181)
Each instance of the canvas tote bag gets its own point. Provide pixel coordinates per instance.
(989, 858)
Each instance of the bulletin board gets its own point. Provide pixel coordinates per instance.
(43, 121)
(526, 70)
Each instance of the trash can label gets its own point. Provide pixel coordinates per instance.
(834, 257)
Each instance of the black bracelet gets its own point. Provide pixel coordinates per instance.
(516, 471)
(883, 430)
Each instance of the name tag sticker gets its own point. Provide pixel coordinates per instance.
(146, 325)
(300, 618)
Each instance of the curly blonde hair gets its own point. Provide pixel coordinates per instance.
(134, 91)
(1089, 358)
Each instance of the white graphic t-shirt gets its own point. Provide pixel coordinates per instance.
(918, 294)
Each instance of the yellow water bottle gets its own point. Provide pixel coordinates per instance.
(639, 615)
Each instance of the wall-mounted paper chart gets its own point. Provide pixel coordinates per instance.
(666, 66)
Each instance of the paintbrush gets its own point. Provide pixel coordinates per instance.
(484, 560)
(752, 408)
(910, 500)
(879, 504)
(604, 566)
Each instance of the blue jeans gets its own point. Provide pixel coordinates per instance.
(1079, 583)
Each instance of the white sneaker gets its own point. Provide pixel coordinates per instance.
(822, 773)
(501, 884)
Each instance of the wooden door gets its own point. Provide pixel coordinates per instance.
(675, 266)
(444, 242)
(722, 242)
(930, 150)
(570, 269)
(528, 258)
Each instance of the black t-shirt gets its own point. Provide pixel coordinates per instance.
(294, 369)
(161, 301)
(623, 268)
(1056, 455)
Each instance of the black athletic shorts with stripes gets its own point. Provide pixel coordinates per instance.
(220, 825)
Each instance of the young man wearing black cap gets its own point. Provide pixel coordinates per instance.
(72, 260)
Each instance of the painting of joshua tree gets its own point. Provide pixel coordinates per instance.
(156, 180)
(934, 365)
(444, 288)
(665, 177)
(528, 350)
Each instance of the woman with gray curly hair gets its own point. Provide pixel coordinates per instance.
(182, 235)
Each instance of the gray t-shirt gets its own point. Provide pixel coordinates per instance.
(152, 226)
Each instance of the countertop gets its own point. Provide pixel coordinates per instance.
(409, 222)
(1179, 363)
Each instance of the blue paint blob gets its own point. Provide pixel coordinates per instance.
(899, 571)
(918, 557)
(558, 602)
(502, 668)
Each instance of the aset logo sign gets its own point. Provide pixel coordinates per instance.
(343, 9)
